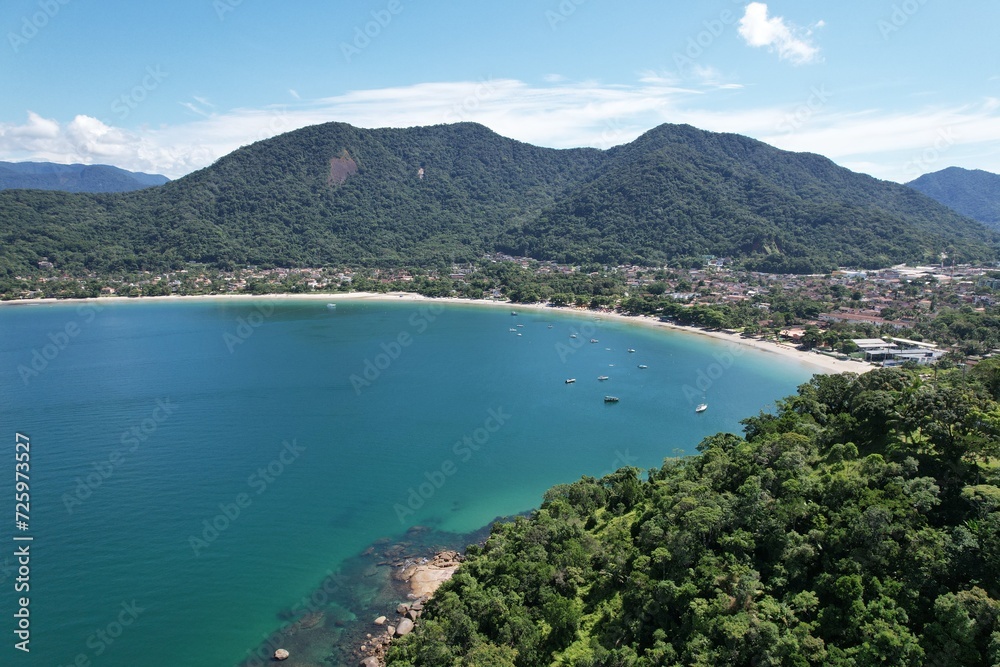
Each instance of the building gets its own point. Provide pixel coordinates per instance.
(898, 351)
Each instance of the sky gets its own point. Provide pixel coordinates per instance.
(892, 88)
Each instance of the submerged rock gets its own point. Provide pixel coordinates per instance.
(281, 654)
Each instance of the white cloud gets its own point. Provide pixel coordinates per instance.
(883, 143)
(791, 43)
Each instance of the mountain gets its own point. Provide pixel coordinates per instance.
(74, 177)
(678, 190)
(971, 192)
(337, 194)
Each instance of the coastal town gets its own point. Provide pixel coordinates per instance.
(878, 311)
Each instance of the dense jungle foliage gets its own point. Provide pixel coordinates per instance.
(859, 525)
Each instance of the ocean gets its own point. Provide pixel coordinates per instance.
(202, 472)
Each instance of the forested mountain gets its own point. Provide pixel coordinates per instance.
(679, 190)
(972, 192)
(337, 194)
(74, 177)
(860, 525)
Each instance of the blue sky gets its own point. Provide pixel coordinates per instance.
(893, 88)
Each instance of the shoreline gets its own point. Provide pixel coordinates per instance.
(824, 364)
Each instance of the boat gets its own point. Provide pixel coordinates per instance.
(572, 335)
(520, 325)
(331, 305)
(631, 350)
(701, 407)
(643, 366)
(513, 312)
(550, 326)
(570, 380)
(602, 378)
(610, 399)
(594, 340)
(512, 330)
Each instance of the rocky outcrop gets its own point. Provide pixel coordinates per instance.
(281, 654)
(427, 575)
(423, 577)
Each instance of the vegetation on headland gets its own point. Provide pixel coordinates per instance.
(337, 195)
(858, 525)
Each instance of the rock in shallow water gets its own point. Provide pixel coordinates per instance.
(281, 654)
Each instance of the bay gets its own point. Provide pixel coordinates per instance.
(199, 466)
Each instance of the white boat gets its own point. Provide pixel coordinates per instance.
(570, 380)
(520, 325)
(512, 329)
(331, 305)
(572, 335)
(631, 350)
(610, 399)
(701, 407)
(602, 378)
(643, 366)
(594, 340)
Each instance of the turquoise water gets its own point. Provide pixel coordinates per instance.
(305, 434)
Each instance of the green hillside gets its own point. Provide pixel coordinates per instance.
(860, 525)
(971, 192)
(341, 195)
(681, 191)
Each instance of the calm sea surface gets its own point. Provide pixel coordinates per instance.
(197, 468)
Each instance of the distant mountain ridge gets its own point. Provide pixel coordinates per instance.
(334, 194)
(74, 177)
(971, 192)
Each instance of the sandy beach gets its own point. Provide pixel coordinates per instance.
(821, 363)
